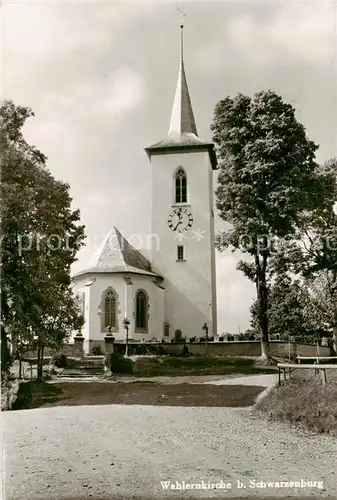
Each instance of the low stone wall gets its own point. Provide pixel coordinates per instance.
(253, 348)
(238, 348)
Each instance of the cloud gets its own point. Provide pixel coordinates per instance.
(126, 92)
(294, 31)
(58, 45)
(306, 33)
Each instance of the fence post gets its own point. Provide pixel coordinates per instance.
(79, 343)
(109, 344)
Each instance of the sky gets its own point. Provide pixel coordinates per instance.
(100, 77)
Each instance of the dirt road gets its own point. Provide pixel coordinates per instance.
(126, 452)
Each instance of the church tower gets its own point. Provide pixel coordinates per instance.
(183, 218)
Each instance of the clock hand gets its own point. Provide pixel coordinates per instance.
(178, 224)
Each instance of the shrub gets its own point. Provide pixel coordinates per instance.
(59, 360)
(193, 339)
(118, 363)
(221, 339)
(141, 349)
(120, 349)
(97, 351)
(202, 339)
(152, 349)
(161, 351)
(210, 339)
(178, 336)
(184, 351)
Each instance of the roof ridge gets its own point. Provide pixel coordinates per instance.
(131, 256)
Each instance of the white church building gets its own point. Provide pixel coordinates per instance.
(174, 287)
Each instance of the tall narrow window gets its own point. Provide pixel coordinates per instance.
(83, 303)
(181, 186)
(141, 311)
(180, 252)
(110, 313)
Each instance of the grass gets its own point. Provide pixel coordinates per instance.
(196, 365)
(305, 403)
(36, 393)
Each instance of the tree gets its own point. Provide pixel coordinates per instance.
(314, 254)
(322, 305)
(266, 183)
(41, 236)
(291, 310)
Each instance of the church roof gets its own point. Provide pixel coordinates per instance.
(116, 255)
(183, 130)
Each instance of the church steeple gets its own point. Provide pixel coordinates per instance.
(183, 135)
(182, 118)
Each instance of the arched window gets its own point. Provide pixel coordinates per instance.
(110, 310)
(141, 311)
(180, 186)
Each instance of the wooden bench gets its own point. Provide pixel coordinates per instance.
(316, 359)
(290, 367)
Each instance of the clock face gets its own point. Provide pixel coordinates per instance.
(180, 220)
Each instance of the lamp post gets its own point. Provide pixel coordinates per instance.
(205, 329)
(126, 324)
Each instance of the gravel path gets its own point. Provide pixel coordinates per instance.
(103, 452)
(261, 380)
(268, 381)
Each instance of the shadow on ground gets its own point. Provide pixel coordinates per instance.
(148, 394)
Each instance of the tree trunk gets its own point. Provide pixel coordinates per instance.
(40, 361)
(334, 340)
(127, 343)
(262, 294)
(6, 358)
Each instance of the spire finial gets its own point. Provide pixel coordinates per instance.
(182, 13)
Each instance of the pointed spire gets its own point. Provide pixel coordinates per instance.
(182, 118)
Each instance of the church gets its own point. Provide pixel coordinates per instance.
(174, 287)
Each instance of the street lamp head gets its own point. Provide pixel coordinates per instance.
(205, 327)
(126, 323)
